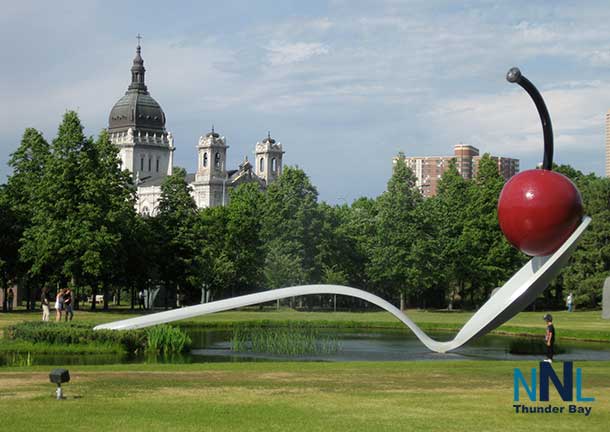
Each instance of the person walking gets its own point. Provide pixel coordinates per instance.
(549, 338)
(44, 301)
(59, 304)
(141, 297)
(68, 304)
(10, 298)
(570, 302)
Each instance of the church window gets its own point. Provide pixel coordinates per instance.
(149, 164)
(145, 211)
(142, 163)
(157, 165)
(205, 159)
(261, 165)
(273, 165)
(217, 160)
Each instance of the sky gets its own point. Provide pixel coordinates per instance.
(343, 85)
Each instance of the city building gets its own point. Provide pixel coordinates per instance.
(608, 144)
(429, 169)
(136, 125)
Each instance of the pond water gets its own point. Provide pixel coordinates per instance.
(392, 345)
(211, 345)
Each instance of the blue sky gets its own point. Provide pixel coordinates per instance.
(344, 85)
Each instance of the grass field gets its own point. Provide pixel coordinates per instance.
(302, 396)
(587, 325)
(408, 396)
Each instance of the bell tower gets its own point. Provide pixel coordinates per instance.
(212, 156)
(268, 162)
(210, 187)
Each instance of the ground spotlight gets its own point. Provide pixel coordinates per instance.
(59, 376)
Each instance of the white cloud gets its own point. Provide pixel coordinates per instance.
(416, 76)
(508, 124)
(283, 53)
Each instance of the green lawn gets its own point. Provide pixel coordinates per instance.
(581, 325)
(408, 396)
(302, 396)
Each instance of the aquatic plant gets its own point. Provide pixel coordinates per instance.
(286, 340)
(19, 359)
(165, 339)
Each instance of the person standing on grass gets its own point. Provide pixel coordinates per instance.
(59, 304)
(10, 296)
(549, 338)
(570, 302)
(44, 301)
(68, 304)
(141, 299)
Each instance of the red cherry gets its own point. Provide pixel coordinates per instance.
(538, 210)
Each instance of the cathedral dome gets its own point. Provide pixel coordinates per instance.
(137, 109)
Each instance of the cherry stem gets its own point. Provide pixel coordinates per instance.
(514, 76)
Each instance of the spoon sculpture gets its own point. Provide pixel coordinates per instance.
(540, 212)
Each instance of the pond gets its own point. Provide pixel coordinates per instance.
(392, 345)
(213, 345)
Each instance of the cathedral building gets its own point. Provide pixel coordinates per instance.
(136, 125)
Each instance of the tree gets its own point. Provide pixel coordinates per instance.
(244, 246)
(283, 268)
(180, 266)
(52, 245)
(427, 255)
(393, 264)
(141, 247)
(590, 264)
(490, 258)
(81, 208)
(334, 276)
(449, 217)
(107, 208)
(360, 226)
(28, 164)
(9, 243)
(218, 271)
(338, 255)
(291, 221)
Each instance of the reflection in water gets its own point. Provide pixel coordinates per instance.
(211, 345)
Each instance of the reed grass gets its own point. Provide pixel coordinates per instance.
(294, 339)
(165, 339)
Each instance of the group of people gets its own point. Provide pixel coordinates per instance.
(63, 304)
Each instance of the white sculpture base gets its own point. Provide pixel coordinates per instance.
(513, 297)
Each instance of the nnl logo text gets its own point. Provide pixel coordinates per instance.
(565, 389)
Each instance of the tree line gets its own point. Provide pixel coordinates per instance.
(67, 217)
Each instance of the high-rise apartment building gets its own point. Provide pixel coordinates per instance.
(429, 169)
(608, 144)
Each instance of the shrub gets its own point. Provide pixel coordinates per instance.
(132, 341)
